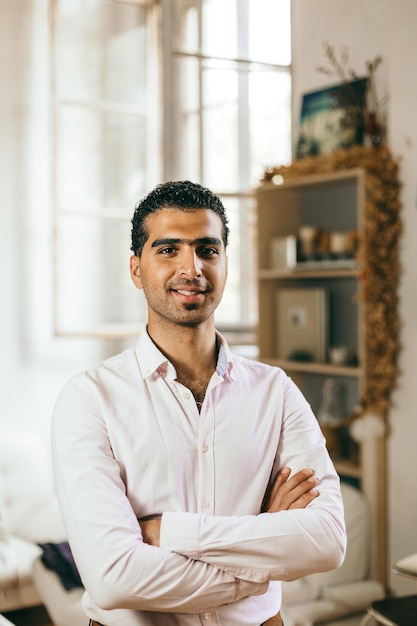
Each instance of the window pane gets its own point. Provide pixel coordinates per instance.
(248, 29)
(186, 26)
(93, 38)
(270, 31)
(105, 154)
(229, 309)
(220, 112)
(270, 121)
(246, 116)
(239, 305)
(186, 131)
(220, 28)
(94, 287)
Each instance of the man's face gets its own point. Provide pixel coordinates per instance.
(183, 266)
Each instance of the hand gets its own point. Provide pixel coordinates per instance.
(291, 493)
(151, 528)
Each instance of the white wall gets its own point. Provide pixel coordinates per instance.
(385, 27)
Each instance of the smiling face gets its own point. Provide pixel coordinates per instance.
(182, 268)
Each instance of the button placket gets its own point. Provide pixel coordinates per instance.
(206, 461)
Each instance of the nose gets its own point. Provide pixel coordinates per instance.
(190, 264)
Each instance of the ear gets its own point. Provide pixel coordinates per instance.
(135, 271)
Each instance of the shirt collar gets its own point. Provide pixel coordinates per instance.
(151, 360)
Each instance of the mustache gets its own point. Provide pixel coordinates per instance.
(195, 283)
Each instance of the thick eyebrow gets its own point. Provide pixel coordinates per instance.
(202, 241)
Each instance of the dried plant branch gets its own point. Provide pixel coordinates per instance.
(372, 109)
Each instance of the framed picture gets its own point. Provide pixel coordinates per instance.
(332, 118)
(302, 324)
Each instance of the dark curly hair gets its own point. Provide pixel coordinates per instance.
(183, 195)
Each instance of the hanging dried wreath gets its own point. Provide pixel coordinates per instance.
(379, 256)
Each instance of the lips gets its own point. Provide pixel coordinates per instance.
(185, 292)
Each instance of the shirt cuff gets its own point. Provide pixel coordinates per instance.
(179, 533)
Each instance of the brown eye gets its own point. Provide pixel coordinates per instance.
(207, 251)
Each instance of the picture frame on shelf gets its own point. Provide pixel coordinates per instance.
(302, 323)
(332, 118)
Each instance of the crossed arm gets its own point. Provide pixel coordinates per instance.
(287, 492)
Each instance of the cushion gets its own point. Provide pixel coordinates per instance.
(58, 557)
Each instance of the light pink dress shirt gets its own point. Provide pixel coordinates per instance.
(128, 441)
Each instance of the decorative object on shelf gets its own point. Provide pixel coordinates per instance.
(313, 248)
(284, 253)
(339, 244)
(371, 117)
(307, 236)
(331, 417)
(302, 324)
(332, 118)
(341, 355)
(379, 259)
(318, 245)
(330, 412)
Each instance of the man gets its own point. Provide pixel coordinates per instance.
(173, 458)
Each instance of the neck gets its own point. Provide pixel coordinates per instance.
(194, 356)
(188, 348)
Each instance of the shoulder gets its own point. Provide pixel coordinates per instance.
(118, 367)
(270, 379)
(90, 394)
(257, 369)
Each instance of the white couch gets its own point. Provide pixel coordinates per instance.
(29, 514)
(333, 597)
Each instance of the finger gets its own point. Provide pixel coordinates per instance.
(279, 482)
(300, 489)
(281, 479)
(284, 502)
(289, 484)
(289, 493)
(304, 500)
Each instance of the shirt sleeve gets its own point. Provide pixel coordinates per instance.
(117, 568)
(273, 546)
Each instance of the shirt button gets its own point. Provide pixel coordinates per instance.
(204, 447)
(206, 504)
(208, 615)
(162, 374)
(186, 395)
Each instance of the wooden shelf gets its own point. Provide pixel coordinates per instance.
(271, 274)
(327, 369)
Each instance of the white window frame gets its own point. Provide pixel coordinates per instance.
(166, 157)
(112, 330)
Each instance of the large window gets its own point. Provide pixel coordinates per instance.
(149, 91)
(227, 101)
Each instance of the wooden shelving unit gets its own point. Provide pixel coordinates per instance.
(331, 202)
